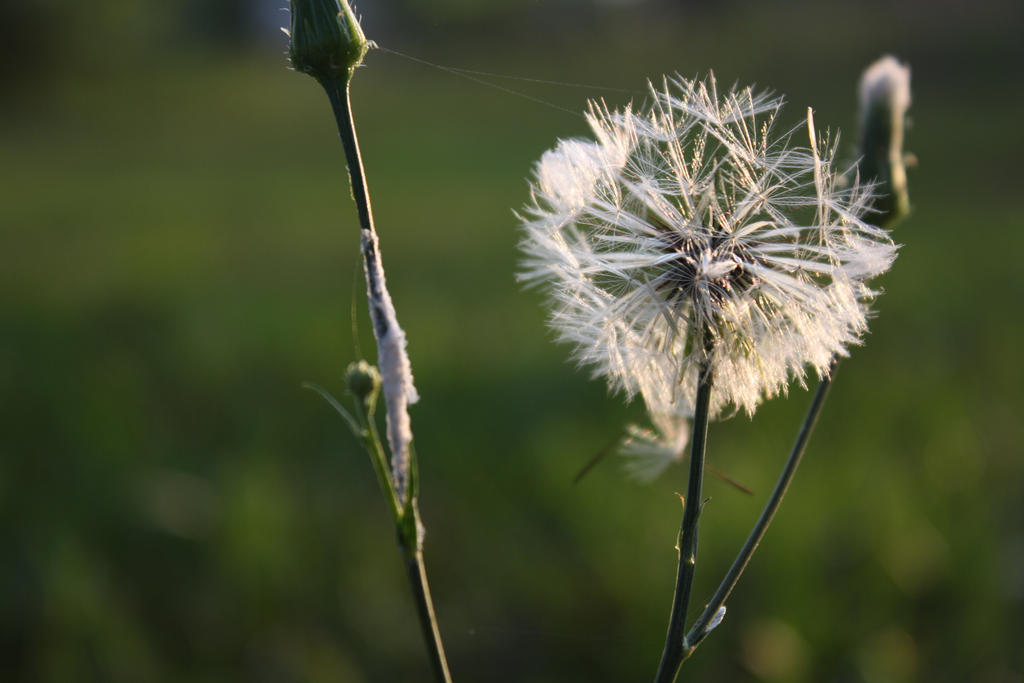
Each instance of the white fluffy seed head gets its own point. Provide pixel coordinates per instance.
(695, 212)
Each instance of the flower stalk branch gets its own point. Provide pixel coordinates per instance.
(389, 336)
(884, 99)
(676, 646)
(328, 44)
(393, 361)
(704, 623)
(684, 220)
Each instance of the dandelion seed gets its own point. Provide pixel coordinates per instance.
(693, 214)
(651, 451)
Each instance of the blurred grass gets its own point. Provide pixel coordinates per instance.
(179, 252)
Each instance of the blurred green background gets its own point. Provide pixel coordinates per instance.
(178, 253)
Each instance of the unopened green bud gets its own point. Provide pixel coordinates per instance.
(884, 99)
(326, 39)
(363, 381)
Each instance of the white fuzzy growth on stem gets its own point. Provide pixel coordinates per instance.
(716, 620)
(393, 361)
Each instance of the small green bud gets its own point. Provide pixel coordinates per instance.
(326, 39)
(363, 381)
(884, 99)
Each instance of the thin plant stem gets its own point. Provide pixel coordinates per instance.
(338, 94)
(416, 569)
(410, 530)
(374, 446)
(700, 628)
(675, 644)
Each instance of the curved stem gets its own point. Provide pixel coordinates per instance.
(675, 644)
(700, 628)
(407, 519)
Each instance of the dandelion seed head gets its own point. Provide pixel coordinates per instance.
(692, 213)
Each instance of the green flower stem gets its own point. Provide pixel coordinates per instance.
(407, 518)
(700, 628)
(417, 572)
(338, 94)
(676, 647)
(374, 446)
